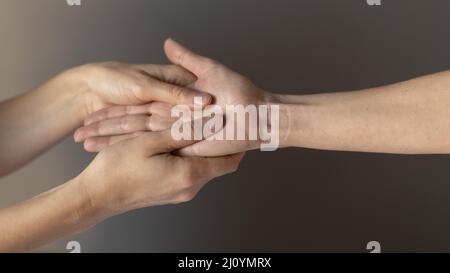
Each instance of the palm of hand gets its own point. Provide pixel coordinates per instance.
(227, 87)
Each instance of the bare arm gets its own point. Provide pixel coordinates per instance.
(411, 117)
(36, 120)
(57, 213)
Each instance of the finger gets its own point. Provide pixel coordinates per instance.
(170, 140)
(157, 90)
(186, 58)
(96, 144)
(123, 125)
(169, 73)
(159, 108)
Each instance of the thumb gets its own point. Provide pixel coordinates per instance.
(182, 56)
(169, 73)
(173, 94)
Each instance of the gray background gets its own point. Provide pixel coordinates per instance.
(292, 200)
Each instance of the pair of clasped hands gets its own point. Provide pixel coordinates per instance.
(127, 114)
(132, 130)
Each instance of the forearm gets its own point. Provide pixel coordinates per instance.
(36, 120)
(411, 117)
(63, 211)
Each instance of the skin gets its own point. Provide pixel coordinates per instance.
(145, 172)
(35, 121)
(226, 86)
(410, 117)
(114, 124)
(120, 103)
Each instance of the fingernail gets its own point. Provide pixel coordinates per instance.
(88, 146)
(77, 136)
(206, 99)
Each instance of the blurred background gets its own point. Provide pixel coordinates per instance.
(294, 200)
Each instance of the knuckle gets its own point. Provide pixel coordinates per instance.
(234, 167)
(210, 63)
(177, 93)
(148, 121)
(150, 107)
(97, 129)
(186, 197)
(147, 70)
(127, 110)
(113, 63)
(125, 123)
(236, 163)
(139, 86)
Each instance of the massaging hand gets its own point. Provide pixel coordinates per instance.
(40, 118)
(142, 172)
(132, 174)
(112, 83)
(226, 86)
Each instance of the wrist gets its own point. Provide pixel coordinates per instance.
(310, 121)
(69, 93)
(284, 122)
(80, 78)
(90, 206)
(102, 201)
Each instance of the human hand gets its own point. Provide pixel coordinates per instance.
(142, 172)
(113, 83)
(113, 124)
(227, 88)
